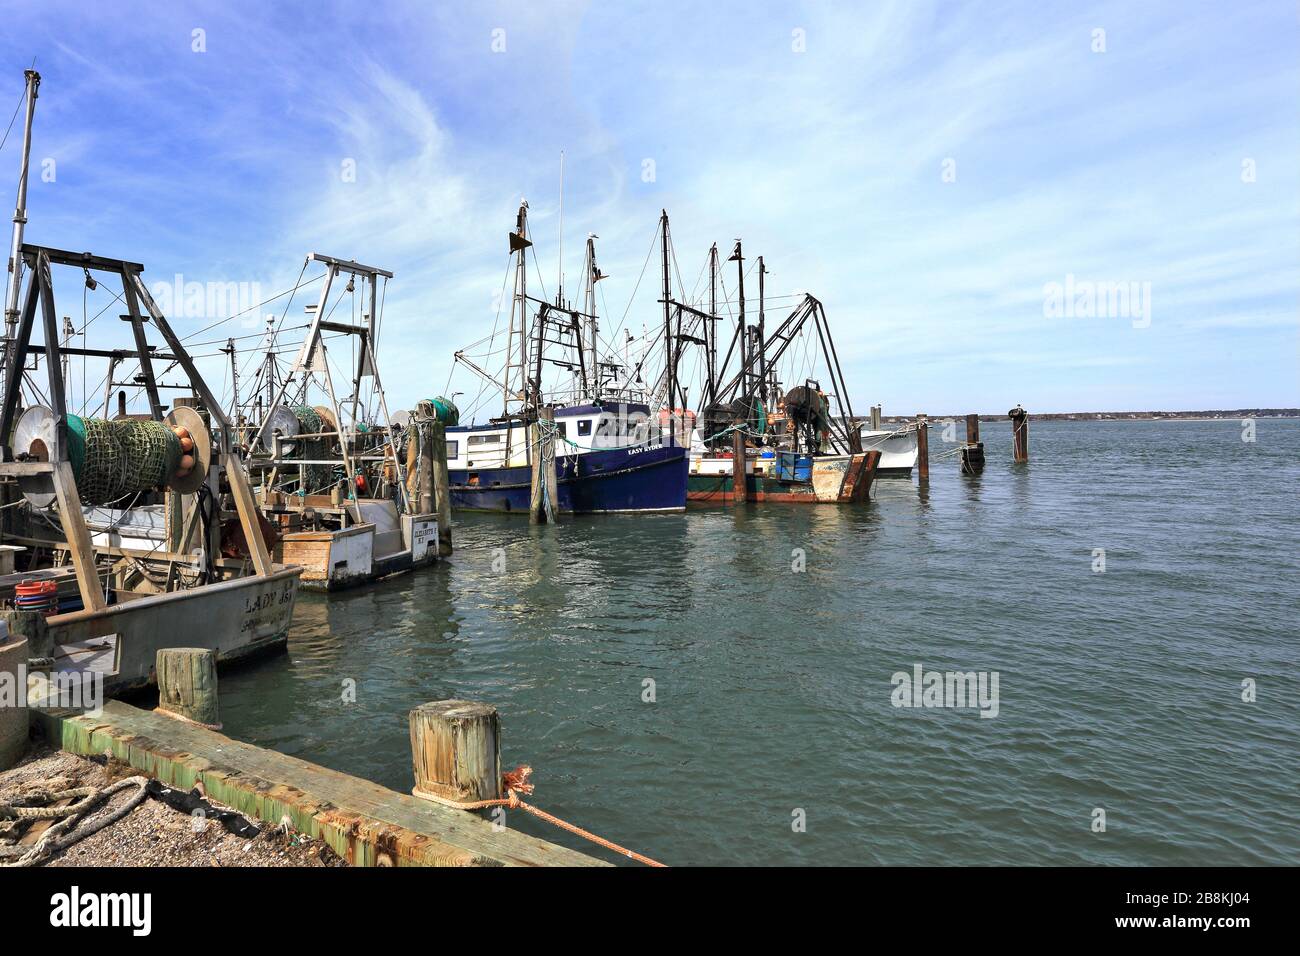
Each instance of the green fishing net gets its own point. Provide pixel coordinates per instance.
(114, 459)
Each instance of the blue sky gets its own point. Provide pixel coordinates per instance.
(819, 133)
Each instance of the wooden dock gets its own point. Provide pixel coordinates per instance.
(364, 823)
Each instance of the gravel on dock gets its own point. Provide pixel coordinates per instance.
(154, 834)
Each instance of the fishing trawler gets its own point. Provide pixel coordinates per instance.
(105, 610)
(794, 450)
(610, 456)
(331, 480)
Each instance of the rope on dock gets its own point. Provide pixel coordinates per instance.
(69, 829)
(515, 782)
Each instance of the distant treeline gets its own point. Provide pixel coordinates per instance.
(1225, 414)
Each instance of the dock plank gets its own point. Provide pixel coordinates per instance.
(366, 824)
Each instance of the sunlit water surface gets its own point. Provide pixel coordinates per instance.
(1119, 690)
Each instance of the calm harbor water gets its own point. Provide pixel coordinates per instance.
(1119, 690)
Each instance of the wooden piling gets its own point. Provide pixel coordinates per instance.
(542, 506)
(1019, 434)
(875, 418)
(187, 684)
(441, 486)
(739, 483)
(425, 489)
(31, 627)
(13, 716)
(972, 454)
(456, 750)
(922, 447)
(414, 458)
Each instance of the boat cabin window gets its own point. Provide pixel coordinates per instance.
(563, 429)
(484, 439)
(453, 449)
(584, 426)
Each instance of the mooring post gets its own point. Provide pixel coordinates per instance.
(1019, 434)
(972, 454)
(29, 626)
(187, 684)
(414, 458)
(441, 485)
(13, 716)
(875, 418)
(425, 481)
(541, 508)
(456, 750)
(739, 484)
(922, 447)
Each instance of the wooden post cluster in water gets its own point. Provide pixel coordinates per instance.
(427, 460)
(441, 487)
(543, 505)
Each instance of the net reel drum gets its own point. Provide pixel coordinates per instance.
(282, 423)
(114, 459)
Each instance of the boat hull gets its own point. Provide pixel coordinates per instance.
(836, 479)
(897, 451)
(340, 558)
(239, 619)
(622, 480)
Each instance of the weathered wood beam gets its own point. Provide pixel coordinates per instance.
(364, 823)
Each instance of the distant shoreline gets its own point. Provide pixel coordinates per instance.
(1204, 416)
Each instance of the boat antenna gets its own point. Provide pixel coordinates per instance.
(559, 294)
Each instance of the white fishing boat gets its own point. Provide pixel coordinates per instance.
(112, 591)
(897, 449)
(94, 608)
(331, 480)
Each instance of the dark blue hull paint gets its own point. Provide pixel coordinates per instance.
(652, 479)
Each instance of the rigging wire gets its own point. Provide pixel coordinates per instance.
(22, 98)
(279, 295)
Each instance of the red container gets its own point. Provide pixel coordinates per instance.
(40, 596)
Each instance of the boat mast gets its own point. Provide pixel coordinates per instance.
(594, 275)
(671, 374)
(711, 331)
(739, 259)
(234, 383)
(268, 368)
(15, 276)
(762, 342)
(518, 316)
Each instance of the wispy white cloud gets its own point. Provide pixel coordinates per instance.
(1115, 166)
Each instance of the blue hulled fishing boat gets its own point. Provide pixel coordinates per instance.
(610, 455)
(605, 462)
